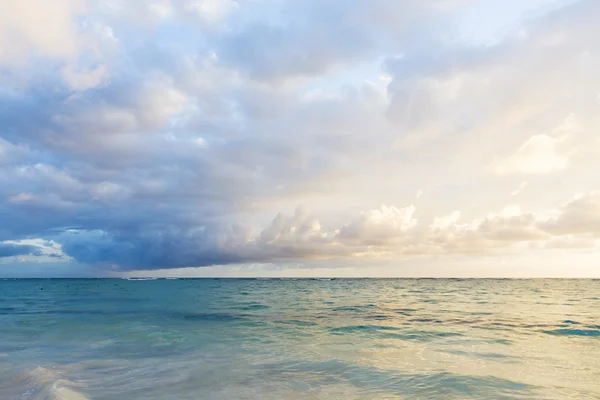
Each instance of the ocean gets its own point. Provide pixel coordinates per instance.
(299, 339)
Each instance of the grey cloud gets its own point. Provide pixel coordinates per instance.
(317, 36)
(579, 216)
(11, 250)
(488, 234)
(274, 53)
(164, 247)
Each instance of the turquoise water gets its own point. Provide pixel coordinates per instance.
(299, 339)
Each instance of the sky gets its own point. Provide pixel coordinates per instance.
(300, 138)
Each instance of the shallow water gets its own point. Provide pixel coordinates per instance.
(299, 339)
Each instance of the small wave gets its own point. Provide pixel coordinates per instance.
(362, 328)
(429, 320)
(390, 332)
(405, 311)
(214, 317)
(296, 322)
(251, 307)
(574, 332)
(422, 336)
(378, 317)
(477, 354)
(358, 308)
(428, 385)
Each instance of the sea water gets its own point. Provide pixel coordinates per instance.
(299, 339)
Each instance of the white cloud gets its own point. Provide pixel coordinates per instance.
(520, 189)
(211, 10)
(161, 9)
(540, 154)
(40, 26)
(445, 222)
(42, 251)
(380, 225)
(85, 79)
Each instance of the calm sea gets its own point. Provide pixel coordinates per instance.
(299, 339)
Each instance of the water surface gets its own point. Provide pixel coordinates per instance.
(299, 339)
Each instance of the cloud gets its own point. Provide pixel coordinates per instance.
(211, 10)
(540, 154)
(169, 134)
(11, 250)
(441, 223)
(78, 79)
(154, 248)
(380, 225)
(518, 190)
(33, 251)
(24, 26)
(495, 231)
(297, 236)
(309, 44)
(580, 216)
(57, 37)
(388, 232)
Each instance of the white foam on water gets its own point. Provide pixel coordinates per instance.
(47, 384)
(62, 391)
(142, 279)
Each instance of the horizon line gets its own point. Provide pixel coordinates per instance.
(302, 278)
